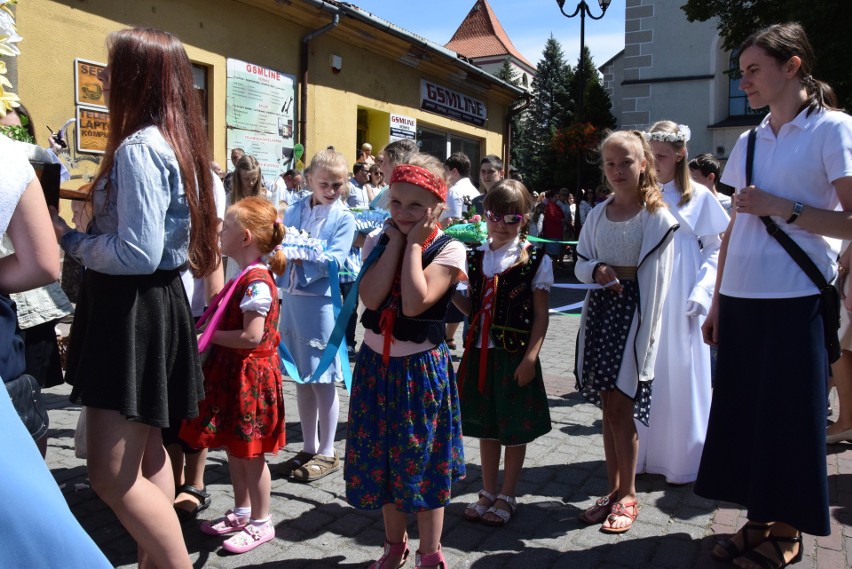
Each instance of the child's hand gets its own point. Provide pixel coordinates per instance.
(426, 225)
(525, 372)
(606, 277)
(392, 232)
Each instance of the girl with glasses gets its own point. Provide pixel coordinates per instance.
(501, 388)
(375, 181)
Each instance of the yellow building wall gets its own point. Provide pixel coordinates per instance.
(376, 83)
(57, 31)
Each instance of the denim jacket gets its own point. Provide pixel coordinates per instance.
(142, 223)
(38, 305)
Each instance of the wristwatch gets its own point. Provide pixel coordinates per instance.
(797, 210)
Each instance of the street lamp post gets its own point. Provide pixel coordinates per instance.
(583, 10)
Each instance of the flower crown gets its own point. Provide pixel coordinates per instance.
(683, 134)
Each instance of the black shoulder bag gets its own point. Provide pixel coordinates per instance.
(828, 292)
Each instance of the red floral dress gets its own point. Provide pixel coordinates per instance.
(243, 410)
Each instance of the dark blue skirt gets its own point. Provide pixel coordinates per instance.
(765, 446)
(404, 438)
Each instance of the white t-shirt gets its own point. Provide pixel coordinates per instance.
(466, 188)
(499, 260)
(455, 201)
(800, 164)
(15, 174)
(195, 290)
(453, 255)
(258, 296)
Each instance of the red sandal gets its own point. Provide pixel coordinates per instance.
(392, 550)
(430, 560)
(620, 509)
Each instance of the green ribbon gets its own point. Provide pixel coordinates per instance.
(543, 240)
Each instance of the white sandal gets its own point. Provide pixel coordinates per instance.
(504, 515)
(477, 508)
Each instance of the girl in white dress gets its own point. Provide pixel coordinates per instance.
(672, 442)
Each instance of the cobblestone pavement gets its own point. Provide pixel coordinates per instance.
(564, 473)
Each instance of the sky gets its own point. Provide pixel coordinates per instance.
(527, 22)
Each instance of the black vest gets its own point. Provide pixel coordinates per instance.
(512, 309)
(428, 325)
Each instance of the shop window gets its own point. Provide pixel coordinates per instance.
(199, 82)
(471, 147)
(433, 142)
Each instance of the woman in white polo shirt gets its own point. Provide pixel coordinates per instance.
(765, 446)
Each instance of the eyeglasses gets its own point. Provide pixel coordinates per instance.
(507, 218)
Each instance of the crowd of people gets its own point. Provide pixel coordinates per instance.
(175, 350)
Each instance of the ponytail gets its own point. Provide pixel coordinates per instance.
(277, 260)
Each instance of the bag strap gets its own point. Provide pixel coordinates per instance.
(799, 256)
(335, 345)
(216, 309)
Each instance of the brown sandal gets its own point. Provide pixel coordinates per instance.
(316, 468)
(287, 467)
(731, 548)
(597, 513)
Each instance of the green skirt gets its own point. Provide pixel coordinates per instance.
(506, 412)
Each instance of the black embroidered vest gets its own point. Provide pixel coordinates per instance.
(512, 310)
(428, 325)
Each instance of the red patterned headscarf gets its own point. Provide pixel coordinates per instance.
(422, 178)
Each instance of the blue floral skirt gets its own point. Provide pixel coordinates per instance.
(404, 439)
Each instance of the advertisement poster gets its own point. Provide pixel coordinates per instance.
(402, 127)
(261, 115)
(88, 87)
(448, 103)
(92, 129)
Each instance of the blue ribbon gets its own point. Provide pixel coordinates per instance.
(335, 346)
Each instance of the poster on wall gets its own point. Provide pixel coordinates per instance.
(88, 87)
(448, 103)
(92, 129)
(402, 127)
(260, 115)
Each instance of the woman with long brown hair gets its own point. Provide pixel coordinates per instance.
(133, 358)
(248, 180)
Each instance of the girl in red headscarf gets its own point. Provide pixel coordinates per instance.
(403, 444)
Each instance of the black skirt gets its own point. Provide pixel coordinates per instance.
(133, 348)
(765, 446)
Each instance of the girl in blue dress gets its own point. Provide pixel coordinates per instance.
(307, 314)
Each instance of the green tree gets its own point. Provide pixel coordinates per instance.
(508, 74)
(597, 112)
(549, 110)
(826, 23)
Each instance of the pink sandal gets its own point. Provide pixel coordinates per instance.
(229, 523)
(430, 560)
(392, 550)
(249, 538)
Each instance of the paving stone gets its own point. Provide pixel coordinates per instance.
(564, 473)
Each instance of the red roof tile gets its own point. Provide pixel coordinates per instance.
(481, 35)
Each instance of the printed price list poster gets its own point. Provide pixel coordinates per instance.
(260, 115)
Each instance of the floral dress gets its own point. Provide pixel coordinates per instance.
(244, 407)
